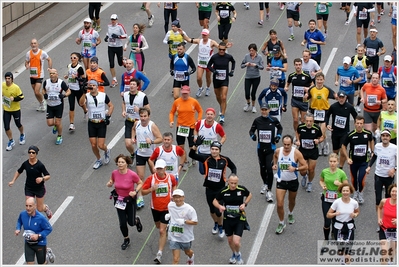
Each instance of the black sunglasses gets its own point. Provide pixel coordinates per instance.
(31, 152)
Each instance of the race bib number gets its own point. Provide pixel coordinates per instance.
(307, 143)
(207, 142)
(265, 136)
(319, 115)
(162, 190)
(6, 101)
(389, 124)
(273, 105)
(390, 235)
(52, 97)
(97, 116)
(144, 145)
(224, 13)
(134, 45)
(371, 100)
(322, 8)
(360, 150)
(112, 41)
(387, 82)
(119, 204)
(384, 161)
(203, 61)
(276, 74)
(204, 4)
(371, 52)
(232, 210)
(340, 122)
(130, 110)
(86, 44)
(345, 81)
(330, 196)
(221, 75)
(169, 167)
(284, 165)
(299, 91)
(313, 48)
(362, 15)
(179, 76)
(71, 80)
(33, 72)
(177, 229)
(183, 131)
(214, 175)
(168, 5)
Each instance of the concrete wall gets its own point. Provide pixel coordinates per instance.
(17, 14)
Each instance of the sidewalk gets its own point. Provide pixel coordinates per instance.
(45, 28)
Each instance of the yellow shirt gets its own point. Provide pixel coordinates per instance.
(319, 98)
(7, 92)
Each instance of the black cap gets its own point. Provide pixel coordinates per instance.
(341, 93)
(264, 105)
(217, 144)
(94, 59)
(9, 74)
(276, 48)
(34, 148)
(176, 23)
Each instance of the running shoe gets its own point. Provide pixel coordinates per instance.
(98, 164)
(264, 188)
(299, 24)
(260, 22)
(199, 92)
(207, 91)
(190, 261)
(378, 229)
(140, 202)
(347, 22)
(126, 243)
(85, 116)
(151, 21)
(309, 188)
(55, 129)
(356, 196)
(138, 224)
(215, 229)
(193, 162)
(382, 12)
(233, 260)
(22, 139)
(280, 228)
(107, 155)
(221, 232)
(58, 141)
(143, 7)
(157, 259)
(113, 83)
(269, 196)
(48, 212)
(221, 120)
(320, 148)
(267, 16)
(325, 35)
(185, 166)
(94, 24)
(50, 255)
(291, 219)
(10, 144)
(379, 19)
(326, 149)
(71, 127)
(372, 23)
(281, 6)
(98, 29)
(239, 260)
(292, 38)
(253, 109)
(246, 5)
(246, 107)
(360, 197)
(42, 106)
(304, 179)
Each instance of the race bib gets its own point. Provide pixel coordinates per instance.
(204, 4)
(384, 161)
(276, 74)
(371, 52)
(319, 115)
(362, 15)
(265, 136)
(176, 229)
(307, 143)
(169, 167)
(162, 190)
(330, 196)
(52, 96)
(390, 235)
(389, 124)
(273, 105)
(371, 100)
(214, 175)
(360, 150)
(340, 122)
(130, 110)
(97, 116)
(345, 81)
(119, 204)
(387, 82)
(168, 5)
(33, 72)
(183, 131)
(313, 48)
(112, 41)
(179, 76)
(299, 91)
(6, 101)
(224, 13)
(322, 8)
(86, 44)
(203, 61)
(144, 145)
(134, 45)
(232, 210)
(284, 165)
(221, 75)
(71, 80)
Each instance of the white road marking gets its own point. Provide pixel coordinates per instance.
(260, 235)
(329, 60)
(52, 221)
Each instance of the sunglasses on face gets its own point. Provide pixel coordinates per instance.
(222, 49)
(31, 152)
(73, 57)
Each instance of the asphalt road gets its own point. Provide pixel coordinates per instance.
(86, 229)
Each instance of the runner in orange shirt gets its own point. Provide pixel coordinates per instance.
(160, 185)
(373, 97)
(185, 106)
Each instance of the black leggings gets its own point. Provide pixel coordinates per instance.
(94, 10)
(112, 51)
(169, 13)
(379, 182)
(127, 216)
(7, 119)
(325, 206)
(265, 158)
(224, 30)
(254, 82)
(71, 98)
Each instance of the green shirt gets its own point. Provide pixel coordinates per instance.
(329, 179)
(205, 6)
(323, 8)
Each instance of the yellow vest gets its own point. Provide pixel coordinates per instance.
(177, 39)
(389, 122)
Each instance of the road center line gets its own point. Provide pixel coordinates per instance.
(52, 221)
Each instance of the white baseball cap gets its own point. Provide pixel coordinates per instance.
(87, 20)
(347, 60)
(387, 58)
(114, 16)
(160, 164)
(178, 192)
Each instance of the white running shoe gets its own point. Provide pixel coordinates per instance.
(253, 109)
(71, 127)
(50, 255)
(269, 196)
(246, 107)
(264, 188)
(151, 21)
(221, 233)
